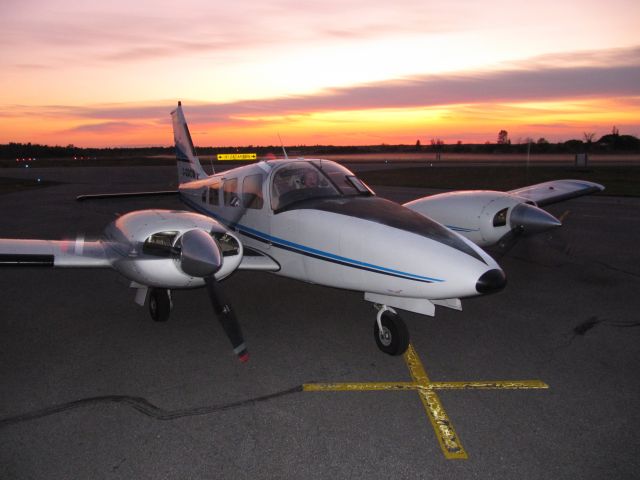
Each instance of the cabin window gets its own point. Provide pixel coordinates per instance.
(214, 193)
(252, 191)
(230, 192)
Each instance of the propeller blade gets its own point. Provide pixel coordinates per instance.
(199, 256)
(227, 318)
(79, 245)
(507, 242)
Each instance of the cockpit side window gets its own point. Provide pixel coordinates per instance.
(214, 193)
(252, 191)
(230, 192)
(299, 181)
(343, 178)
(359, 185)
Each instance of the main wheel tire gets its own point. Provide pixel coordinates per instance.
(159, 304)
(394, 337)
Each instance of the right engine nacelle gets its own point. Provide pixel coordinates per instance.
(482, 216)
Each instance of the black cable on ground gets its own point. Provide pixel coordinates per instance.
(143, 406)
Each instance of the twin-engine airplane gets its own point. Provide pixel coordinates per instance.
(312, 220)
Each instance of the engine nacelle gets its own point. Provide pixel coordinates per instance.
(482, 216)
(144, 247)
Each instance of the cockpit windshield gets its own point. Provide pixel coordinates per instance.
(306, 180)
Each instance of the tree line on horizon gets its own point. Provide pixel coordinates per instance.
(613, 142)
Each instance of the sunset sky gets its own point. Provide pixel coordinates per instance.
(317, 72)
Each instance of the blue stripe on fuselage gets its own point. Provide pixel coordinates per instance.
(462, 229)
(308, 251)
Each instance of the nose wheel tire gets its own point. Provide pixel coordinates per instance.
(159, 304)
(393, 339)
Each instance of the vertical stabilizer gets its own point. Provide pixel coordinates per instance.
(189, 167)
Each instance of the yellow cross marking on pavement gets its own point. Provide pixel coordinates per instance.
(442, 426)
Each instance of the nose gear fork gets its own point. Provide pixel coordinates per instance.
(390, 332)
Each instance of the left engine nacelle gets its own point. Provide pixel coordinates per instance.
(482, 216)
(144, 247)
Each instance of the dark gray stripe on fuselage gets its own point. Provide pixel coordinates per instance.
(386, 212)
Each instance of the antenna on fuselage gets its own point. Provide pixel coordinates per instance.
(286, 157)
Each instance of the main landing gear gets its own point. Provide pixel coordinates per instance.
(160, 304)
(390, 331)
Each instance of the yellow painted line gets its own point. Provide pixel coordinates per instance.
(394, 386)
(358, 387)
(488, 385)
(236, 156)
(564, 215)
(442, 426)
(440, 421)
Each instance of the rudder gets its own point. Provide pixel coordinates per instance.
(189, 167)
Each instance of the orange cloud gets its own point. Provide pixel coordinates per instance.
(558, 102)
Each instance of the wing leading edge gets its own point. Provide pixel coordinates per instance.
(556, 191)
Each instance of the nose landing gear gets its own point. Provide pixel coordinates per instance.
(390, 331)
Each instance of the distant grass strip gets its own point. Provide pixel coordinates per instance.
(618, 180)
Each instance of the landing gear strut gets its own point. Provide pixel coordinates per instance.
(390, 332)
(160, 304)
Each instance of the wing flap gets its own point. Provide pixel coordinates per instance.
(556, 191)
(52, 253)
(254, 260)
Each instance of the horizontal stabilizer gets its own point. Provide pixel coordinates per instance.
(103, 196)
(556, 191)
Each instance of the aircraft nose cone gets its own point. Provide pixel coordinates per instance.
(531, 219)
(491, 281)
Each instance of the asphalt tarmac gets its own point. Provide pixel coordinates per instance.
(91, 387)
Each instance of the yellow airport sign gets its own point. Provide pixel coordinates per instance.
(237, 156)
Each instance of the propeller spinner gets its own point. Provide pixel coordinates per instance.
(526, 219)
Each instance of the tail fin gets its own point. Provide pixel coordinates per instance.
(189, 167)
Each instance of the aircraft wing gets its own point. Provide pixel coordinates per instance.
(52, 253)
(102, 196)
(556, 191)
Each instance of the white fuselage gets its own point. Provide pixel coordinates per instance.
(354, 242)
